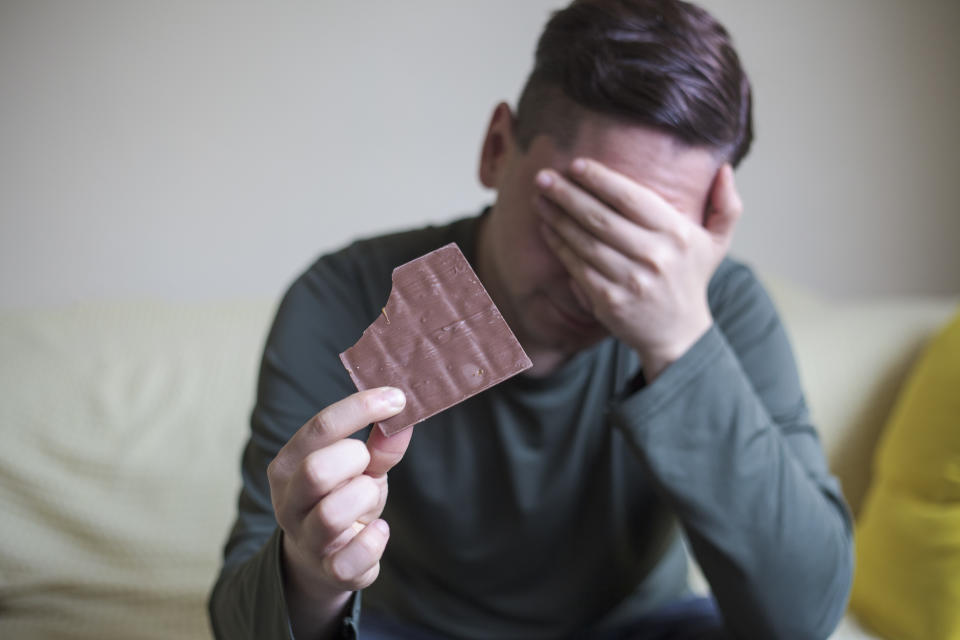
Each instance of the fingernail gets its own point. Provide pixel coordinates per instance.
(544, 179)
(382, 525)
(579, 165)
(395, 399)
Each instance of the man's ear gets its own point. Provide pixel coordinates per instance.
(498, 145)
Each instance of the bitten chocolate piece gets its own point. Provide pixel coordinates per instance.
(440, 339)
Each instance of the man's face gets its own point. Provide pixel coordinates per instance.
(528, 283)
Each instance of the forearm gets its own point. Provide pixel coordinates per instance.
(765, 520)
(255, 596)
(315, 611)
(248, 602)
(256, 600)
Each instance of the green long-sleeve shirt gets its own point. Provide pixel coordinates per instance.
(548, 507)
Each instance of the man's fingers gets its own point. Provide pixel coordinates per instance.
(631, 199)
(342, 419)
(725, 204)
(605, 259)
(327, 521)
(565, 199)
(321, 472)
(356, 565)
(386, 451)
(592, 283)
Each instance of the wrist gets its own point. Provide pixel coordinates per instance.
(314, 607)
(656, 358)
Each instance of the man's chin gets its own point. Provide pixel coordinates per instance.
(550, 350)
(567, 333)
(571, 319)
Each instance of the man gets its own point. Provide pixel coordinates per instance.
(663, 396)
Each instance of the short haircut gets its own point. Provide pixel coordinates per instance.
(665, 64)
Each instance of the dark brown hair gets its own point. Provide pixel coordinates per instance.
(666, 64)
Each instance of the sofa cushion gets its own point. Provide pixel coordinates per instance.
(907, 583)
(121, 428)
(854, 355)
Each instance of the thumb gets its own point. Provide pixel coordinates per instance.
(386, 451)
(725, 205)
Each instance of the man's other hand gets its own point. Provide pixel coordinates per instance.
(640, 266)
(328, 491)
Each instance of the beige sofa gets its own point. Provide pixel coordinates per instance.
(121, 427)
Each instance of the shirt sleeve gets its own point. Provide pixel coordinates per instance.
(300, 373)
(726, 436)
(249, 602)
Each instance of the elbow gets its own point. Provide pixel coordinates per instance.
(212, 600)
(819, 610)
(833, 605)
(826, 579)
(828, 609)
(223, 615)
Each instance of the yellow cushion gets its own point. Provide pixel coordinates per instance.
(907, 581)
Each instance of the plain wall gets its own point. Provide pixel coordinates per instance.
(194, 150)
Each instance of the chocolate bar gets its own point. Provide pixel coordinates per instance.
(440, 339)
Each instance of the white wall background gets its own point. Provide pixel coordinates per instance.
(190, 150)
